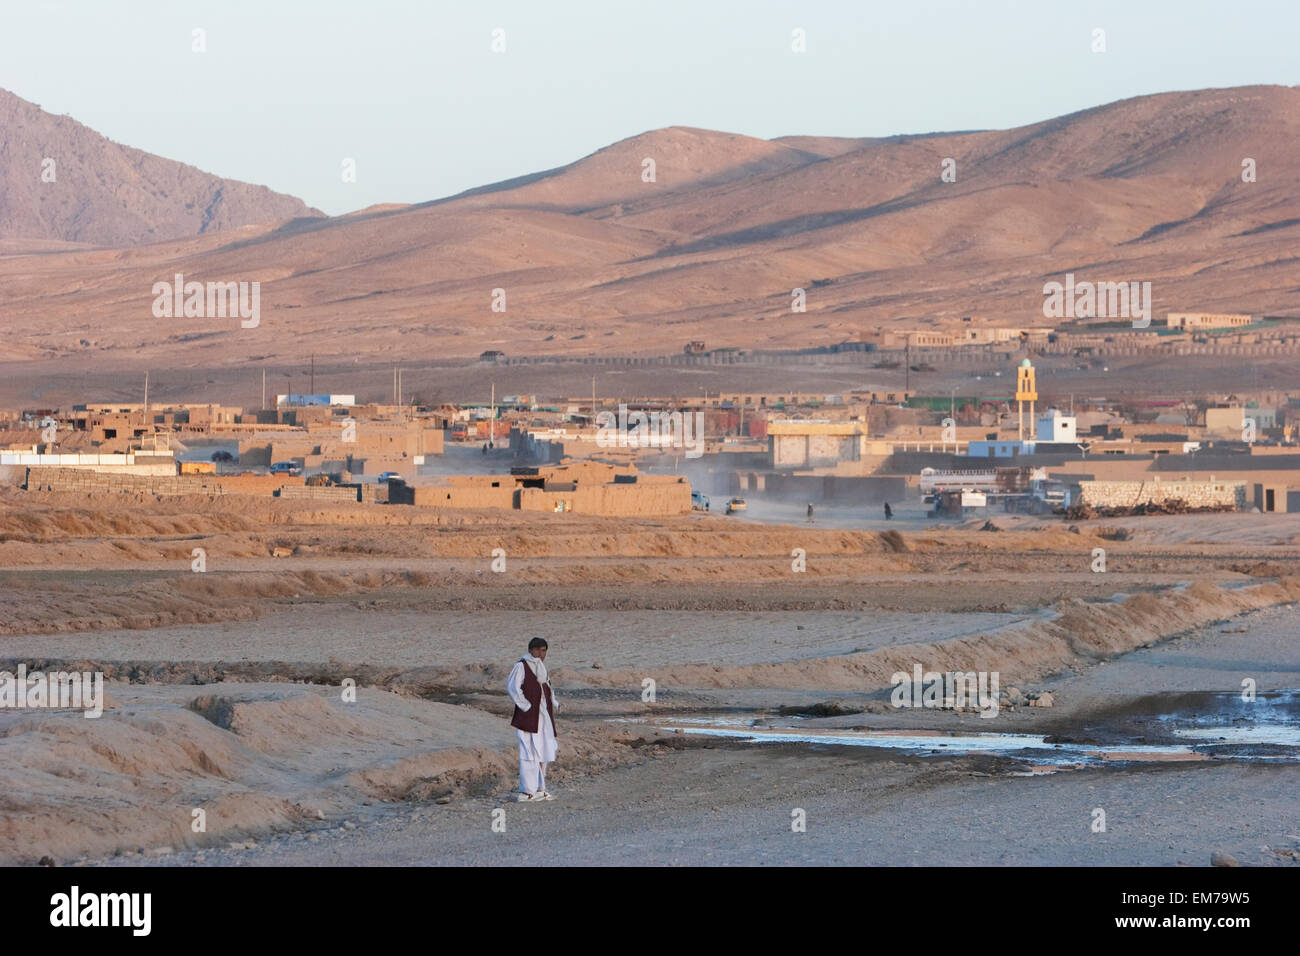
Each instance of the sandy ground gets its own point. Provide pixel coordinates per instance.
(730, 807)
(723, 803)
(413, 637)
(226, 685)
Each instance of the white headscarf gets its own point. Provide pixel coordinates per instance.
(538, 667)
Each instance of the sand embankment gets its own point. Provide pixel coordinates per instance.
(253, 757)
(1082, 632)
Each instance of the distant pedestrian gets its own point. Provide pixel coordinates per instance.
(810, 512)
(889, 512)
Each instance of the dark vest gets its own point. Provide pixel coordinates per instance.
(527, 720)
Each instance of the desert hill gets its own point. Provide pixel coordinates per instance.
(101, 193)
(595, 260)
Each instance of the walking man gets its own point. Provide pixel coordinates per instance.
(529, 686)
(889, 512)
(810, 512)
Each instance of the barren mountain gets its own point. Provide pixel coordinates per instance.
(593, 258)
(60, 180)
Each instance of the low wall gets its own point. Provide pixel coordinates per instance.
(450, 496)
(82, 480)
(631, 499)
(337, 494)
(620, 500)
(130, 464)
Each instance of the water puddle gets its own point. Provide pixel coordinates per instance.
(1026, 747)
(1200, 727)
(1271, 719)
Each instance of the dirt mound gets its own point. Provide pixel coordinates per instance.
(253, 757)
(893, 542)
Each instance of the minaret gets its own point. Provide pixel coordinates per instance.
(1025, 392)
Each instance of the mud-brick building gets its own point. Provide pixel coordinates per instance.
(584, 487)
(361, 447)
(810, 444)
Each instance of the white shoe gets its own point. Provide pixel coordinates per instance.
(547, 795)
(529, 797)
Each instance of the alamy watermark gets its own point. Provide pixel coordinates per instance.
(128, 910)
(215, 300)
(1099, 300)
(947, 691)
(77, 689)
(651, 430)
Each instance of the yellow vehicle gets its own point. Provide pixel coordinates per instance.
(735, 504)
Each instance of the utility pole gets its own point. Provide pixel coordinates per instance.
(264, 389)
(146, 397)
(312, 386)
(593, 400)
(492, 422)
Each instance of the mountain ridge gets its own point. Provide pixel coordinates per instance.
(61, 180)
(595, 260)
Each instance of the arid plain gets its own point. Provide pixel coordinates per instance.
(226, 688)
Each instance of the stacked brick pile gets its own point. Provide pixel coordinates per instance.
(1193, 494)
(333, 493)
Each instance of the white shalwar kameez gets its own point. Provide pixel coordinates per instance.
(535, 750)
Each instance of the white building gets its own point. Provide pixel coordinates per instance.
(1055, 427)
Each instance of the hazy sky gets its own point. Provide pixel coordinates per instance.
(412, 90)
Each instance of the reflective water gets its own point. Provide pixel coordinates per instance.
(1215, 726)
